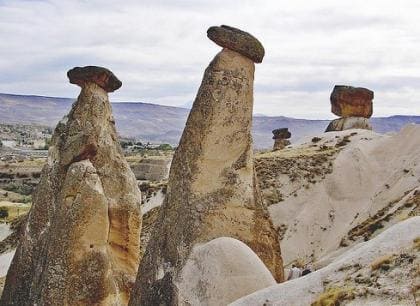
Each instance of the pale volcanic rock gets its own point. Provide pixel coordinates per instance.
(237, 40)
(348, 188)
(81, 242)
(221, 271)
(353, 270)
(280, 144)
(348, 123)
(348, 101)
(212, 189)
(152, 169)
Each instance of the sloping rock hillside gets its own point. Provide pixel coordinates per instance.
(382, 271)
(332, 191)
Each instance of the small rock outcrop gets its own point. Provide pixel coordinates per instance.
(152, 169)
(347, 123)
(222, 271)
(81, 241)
(354, 105)
(212, 190)
(281, 137)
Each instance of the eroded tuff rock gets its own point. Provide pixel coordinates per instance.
(348, 101)
(212, 189)
(237, 40)
(223, 270)
(347, 123)
(280, 138)
(81, 242)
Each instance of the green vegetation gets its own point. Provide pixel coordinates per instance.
(22, 189)
(165, 147)
(10, 212)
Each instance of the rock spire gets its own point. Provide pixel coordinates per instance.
(81, 243)
(212, 189)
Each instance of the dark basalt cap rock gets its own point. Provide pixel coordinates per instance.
(99, 75)
(237, 40)
(282, 133)
(349, 101)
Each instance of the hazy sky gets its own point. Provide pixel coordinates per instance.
(159, 49)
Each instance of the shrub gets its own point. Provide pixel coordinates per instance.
(333, 296)
(417, 243)
(4, 212)
(165, 147)
(381, 262)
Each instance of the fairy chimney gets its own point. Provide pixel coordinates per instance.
(212, 189)
(81, 243)
(281, 137)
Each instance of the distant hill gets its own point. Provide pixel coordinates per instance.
(164, 124)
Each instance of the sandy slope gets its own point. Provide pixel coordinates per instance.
(353, 272)
(372, 175)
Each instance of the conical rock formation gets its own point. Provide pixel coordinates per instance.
(212, 190)
(81, 242)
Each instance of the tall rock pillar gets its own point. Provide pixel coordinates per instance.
(212, 189)
(81, 242)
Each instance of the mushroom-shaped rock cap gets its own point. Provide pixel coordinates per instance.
(237, 40)
(282, 133)
(349, 101)
(98, 75)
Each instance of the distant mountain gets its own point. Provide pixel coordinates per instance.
(164, 124)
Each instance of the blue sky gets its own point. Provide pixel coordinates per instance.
(159, 49)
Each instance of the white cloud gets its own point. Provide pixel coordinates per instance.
(159, 49)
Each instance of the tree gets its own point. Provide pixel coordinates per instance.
(165, 147)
